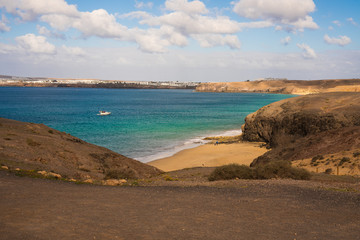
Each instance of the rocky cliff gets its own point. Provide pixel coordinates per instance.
(298, 87)
(32, 146)
(305, 126)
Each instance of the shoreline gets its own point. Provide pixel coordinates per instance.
(190, 143)
(210, 155)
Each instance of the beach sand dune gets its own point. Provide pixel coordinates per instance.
(210, 155)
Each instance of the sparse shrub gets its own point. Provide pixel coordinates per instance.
(125, 173)
(169, 178)
(84, 169)
(32, 143)
(231, 171)
(317, 157)
(281, 169)
(344, 160)
(135, 183)
(328, 171)
(278, 169)
(51, 131)
(356, 154)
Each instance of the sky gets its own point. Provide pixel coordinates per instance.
(180, 40)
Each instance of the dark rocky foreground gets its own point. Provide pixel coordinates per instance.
(306, 126)
(30, 146)
(275, 209)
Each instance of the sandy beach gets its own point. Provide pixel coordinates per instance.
(210, 155)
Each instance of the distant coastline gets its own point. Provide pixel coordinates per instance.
(273, 85)
(14, 81)
(283, 86)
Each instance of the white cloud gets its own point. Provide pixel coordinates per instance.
(180, 21)
(308, 52)
(37, 47)
(195, 24)
(46, 32)
(134, 15)
(285, 41)
(258, 24)
(99, 23)
(352, 21)
(211, 40)
(7, 49)
(30, 9)
(193, 7)
(3, 26)
(35, 44)
(293, 14)
(75, 51)
(187, 19)
(337, 23)
(331, 28)
(183, 65)
(341, 41)
(143, 4)
(152, 40)
(302, 23)
(96, 23)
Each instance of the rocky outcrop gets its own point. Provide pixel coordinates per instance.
(32, 146)
(298, 87)
(305, 126)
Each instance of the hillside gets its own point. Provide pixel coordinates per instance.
(298, 87)
(324, 126)
(33, 146)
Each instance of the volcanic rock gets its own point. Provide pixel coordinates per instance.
(304, 126)
(31, 146)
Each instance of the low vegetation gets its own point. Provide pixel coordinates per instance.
(232, 171)
(344, 160)
(356, 154)
(317, 157)
(278, 169)
(125, 173)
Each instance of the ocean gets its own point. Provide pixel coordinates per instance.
(144, 124)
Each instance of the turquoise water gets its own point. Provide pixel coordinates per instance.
(144, 124)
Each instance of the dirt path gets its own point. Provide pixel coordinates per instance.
(45, 209)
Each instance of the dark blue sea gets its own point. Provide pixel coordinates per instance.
(144, 124)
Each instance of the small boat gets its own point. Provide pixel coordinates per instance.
(104, 113)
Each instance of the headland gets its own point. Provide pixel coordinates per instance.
(318, 132)
(283, 86)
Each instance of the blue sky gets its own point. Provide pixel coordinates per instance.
(180, 40)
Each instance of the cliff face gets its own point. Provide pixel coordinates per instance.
(298, 87)
(32, 146)
(292, 125)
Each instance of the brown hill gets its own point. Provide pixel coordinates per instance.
(307, 126)
(37, 147)
(298, 87)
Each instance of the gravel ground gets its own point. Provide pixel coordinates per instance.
(273, 209)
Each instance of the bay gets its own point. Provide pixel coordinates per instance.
(144, 124)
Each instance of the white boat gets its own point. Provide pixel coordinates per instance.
(104, 113)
